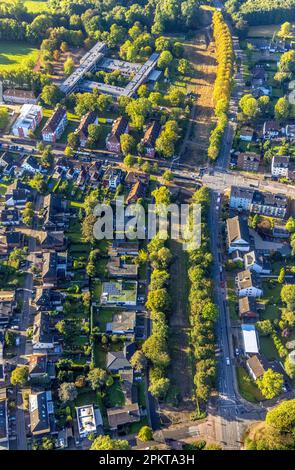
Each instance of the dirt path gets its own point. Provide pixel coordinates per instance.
(202, 57)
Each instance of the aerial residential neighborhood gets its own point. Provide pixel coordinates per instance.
(147, 226)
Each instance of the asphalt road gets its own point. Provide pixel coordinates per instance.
(228, 429)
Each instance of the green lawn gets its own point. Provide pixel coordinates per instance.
(36, 6)
(267, 348)
(71, 127)
(141, 393)
(133, 428)
(88, 397)
(13, 54)
(247, 387)
(115, 396)
(232, 300)
(271, 294)
(99, 356)
(96, 290)
(103, 316)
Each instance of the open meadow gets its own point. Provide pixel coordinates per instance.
(14, 54)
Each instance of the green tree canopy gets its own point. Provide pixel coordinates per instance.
(106, 443)
(270, 384)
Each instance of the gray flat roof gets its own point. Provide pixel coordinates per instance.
(141, 75)
(86, 63)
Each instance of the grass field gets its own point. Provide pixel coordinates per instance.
(268, 348)
(36, 6)
(248, 388)
(13, 54)
(271, 293)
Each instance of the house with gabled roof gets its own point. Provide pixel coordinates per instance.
(248, 309)
(123, 323)
(257, 366)
(18, 198)
(41, 413)
(53, 241)
(271, 130)
(55, 216)
(55, 125)
(10, 217)
(137, 191)
(247, 284)
(54, 267)
(120, 127)
(44, 337)
(150, 136)
(257, 263)
(237, 234)
(120, 416)
(82, 130)
(48, 299)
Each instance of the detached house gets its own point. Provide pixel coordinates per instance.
(257, 263)
(133, 177)
(259, 76)
(248, 309)
(257, 366)
(8, 164)
(123, 323)
(247, 285)
(246, 134)
(280, 166)
(55, 125)
(88, 420)
(41, 413)
(115, 177)
(121, 269)
(116, 361)
(39, 366)
(237, 235)
(120, 126)
(124, 247)
(271, 130)
(120, 360)
(120, 416)
(150, 136)
(82, 131)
